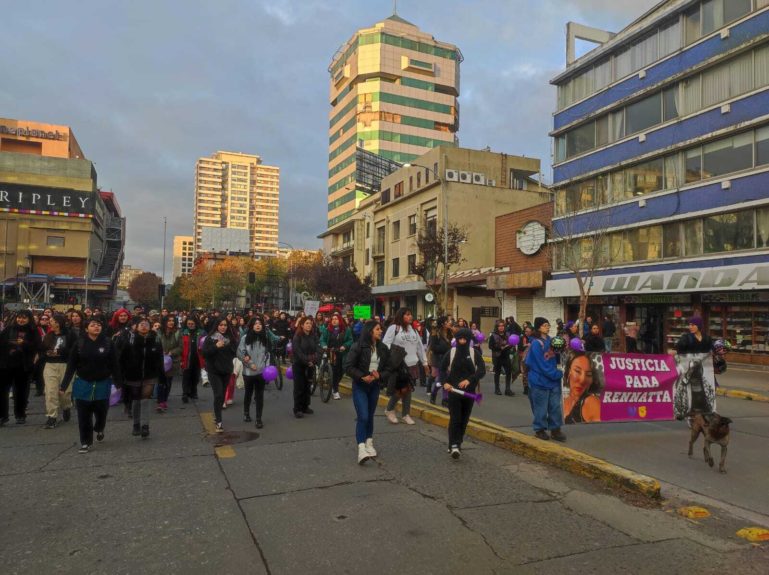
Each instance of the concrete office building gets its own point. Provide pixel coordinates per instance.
(184, 256)
(662, 143)
(127, 275)
(237, 191)
(393, 91)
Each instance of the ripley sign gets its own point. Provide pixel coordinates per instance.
(739, 277)
(45, 201)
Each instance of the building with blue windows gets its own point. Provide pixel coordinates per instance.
(661, 166)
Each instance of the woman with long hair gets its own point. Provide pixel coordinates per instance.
(402, 334)
(583, 404)
(305, 358)
(19, 342)
(93, 361)
(364, 364)
(254, 351)
(439, 345)
(219, 350)
(233, 332)
(500, 357)
(55, 352)
(191, 361)
(337, 338)
(141, 364)
(172, 347)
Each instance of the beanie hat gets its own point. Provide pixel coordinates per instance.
(464, 333)
(696, 320)
(539, 322)
(569, 324)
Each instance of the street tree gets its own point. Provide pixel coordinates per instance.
(330, 281)
(433, 245)
(143, 289)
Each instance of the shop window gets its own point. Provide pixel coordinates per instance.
(55, 241)
(728, 155)
(644, 114)
(644, 178)
(693, 238)
(728, 232)
(762, 146)
(672, 241)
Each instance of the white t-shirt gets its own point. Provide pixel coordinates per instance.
(409, 340)
(373, 364)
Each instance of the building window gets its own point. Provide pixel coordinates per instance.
(396, 231)
(728, 232)
(411, 183)
(367, 257)
(419, 180)
(368, 230)
(396, 267)
(55, 241)
(398, 190)
(412, 224)
(386, 196)
(412, 263)
(380, 273)
(728, 155)
(643, 114)
(518, 181)
(673, 246)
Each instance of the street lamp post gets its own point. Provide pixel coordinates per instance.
(290, 278)
(444, 198)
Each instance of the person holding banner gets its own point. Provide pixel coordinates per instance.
(694, 341)
(544, 384)
(583, 404)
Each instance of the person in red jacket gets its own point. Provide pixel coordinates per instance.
(192, 358)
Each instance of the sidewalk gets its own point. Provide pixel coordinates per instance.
(292, 499)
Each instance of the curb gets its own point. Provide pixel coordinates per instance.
(738, 394)
(527, 446)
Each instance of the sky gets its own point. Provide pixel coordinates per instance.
(150, 86)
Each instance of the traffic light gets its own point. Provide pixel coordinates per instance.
(161, 290)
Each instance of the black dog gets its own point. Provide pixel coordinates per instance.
(715, 429)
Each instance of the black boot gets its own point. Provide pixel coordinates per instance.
(509, 392)
(497, 391)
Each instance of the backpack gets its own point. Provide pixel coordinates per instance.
(453, 353)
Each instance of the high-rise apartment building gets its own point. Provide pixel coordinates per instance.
(184, 256)
(393, 92)
(238, 192)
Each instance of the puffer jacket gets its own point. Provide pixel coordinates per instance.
(397, 376)
(141, 358)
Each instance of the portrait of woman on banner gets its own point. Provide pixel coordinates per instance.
(582, 388)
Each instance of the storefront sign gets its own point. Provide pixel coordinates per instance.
(748, 297)
(46, 201)
(636, 387)
(739, 277)
(27, 133)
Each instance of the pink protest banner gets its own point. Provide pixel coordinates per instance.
(637, 387)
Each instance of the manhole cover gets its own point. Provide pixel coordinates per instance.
(233, 437)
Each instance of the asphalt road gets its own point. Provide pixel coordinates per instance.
(292, 499)
(659, 449)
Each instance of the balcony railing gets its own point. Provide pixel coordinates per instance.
(343, 247)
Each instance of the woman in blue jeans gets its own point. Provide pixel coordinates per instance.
(363, 364)
(544, 384)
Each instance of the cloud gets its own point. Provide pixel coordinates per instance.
(149, 88)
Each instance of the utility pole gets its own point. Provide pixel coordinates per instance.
(163, 296)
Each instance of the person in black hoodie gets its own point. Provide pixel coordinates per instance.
(19, 342)
(463, 367)
(141, 363)
(306, 352)
(94, 359)
(500, 356)
(594, 343)
(219, 351)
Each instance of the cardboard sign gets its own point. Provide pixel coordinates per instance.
(361, 312)
(311, 307)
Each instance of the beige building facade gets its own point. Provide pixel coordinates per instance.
(237, 191)
(184, 256)
(393, 92)
(473, 188)
(127, 275)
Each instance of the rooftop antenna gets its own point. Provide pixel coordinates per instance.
(395, 7)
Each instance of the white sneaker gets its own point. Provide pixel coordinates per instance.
(336, 395)
(229, 402)
(390, 415)
(455, 453)
(407, 420)
(363, 454)
(370, 447)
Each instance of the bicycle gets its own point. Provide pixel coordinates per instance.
(275, 361)
(325, 375)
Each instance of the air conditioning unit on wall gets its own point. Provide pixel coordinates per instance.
(452, 176)
(492, 183)
(479, 179)
(465, 177)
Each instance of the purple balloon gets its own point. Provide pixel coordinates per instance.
(270, 373)
(289, 347)
(453, 343)
(514, 339)
(479, 337)
(289, 373)
(576, 344)
(168, 363)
